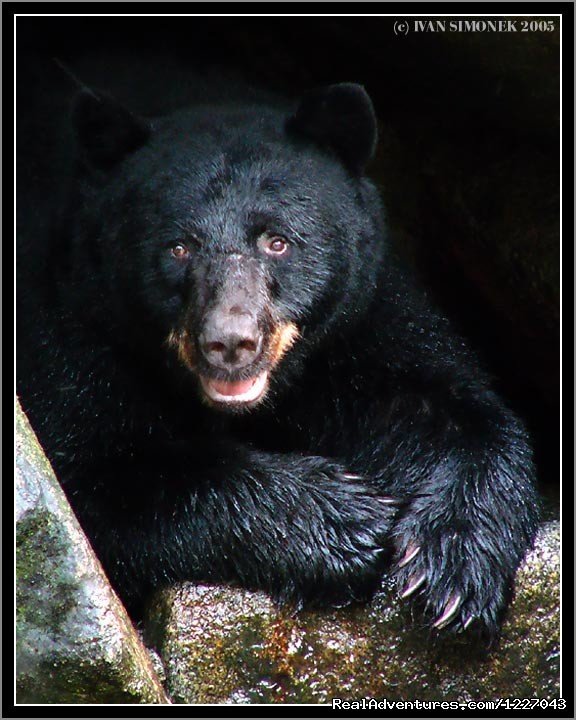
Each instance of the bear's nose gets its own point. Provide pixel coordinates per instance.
(231, 340)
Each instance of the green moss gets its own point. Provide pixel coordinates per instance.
(71, 681)
(43, 596)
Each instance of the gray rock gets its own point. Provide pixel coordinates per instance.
(74, 641)
(224, 645)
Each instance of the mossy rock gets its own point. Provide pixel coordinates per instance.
(74, 641)
(222, 645)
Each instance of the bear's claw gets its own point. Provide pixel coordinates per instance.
(389, 500)
(413, 585)
(467, 622)
(450, 610)
(410, 554)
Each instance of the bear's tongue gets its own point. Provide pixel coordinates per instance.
(232, 388)
(239, 391)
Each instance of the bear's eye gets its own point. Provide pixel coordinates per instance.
(274, 245)
(180, 252)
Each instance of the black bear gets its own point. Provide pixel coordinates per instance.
(235, 380)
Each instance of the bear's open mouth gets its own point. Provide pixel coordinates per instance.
(235, 395)
(237, 391)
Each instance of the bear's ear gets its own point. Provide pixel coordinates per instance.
(341, 117)
(105, 129)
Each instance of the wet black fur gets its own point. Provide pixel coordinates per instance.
(379, 385)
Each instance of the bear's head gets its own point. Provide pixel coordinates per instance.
(238, 237)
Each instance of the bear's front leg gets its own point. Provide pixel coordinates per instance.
(297, 527)
(464, 473)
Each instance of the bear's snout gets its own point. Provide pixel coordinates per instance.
(231, 339)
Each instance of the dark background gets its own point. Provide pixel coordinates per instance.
(468, 162)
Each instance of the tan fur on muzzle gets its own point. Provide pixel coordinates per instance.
(180, 341)
(283, 338)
